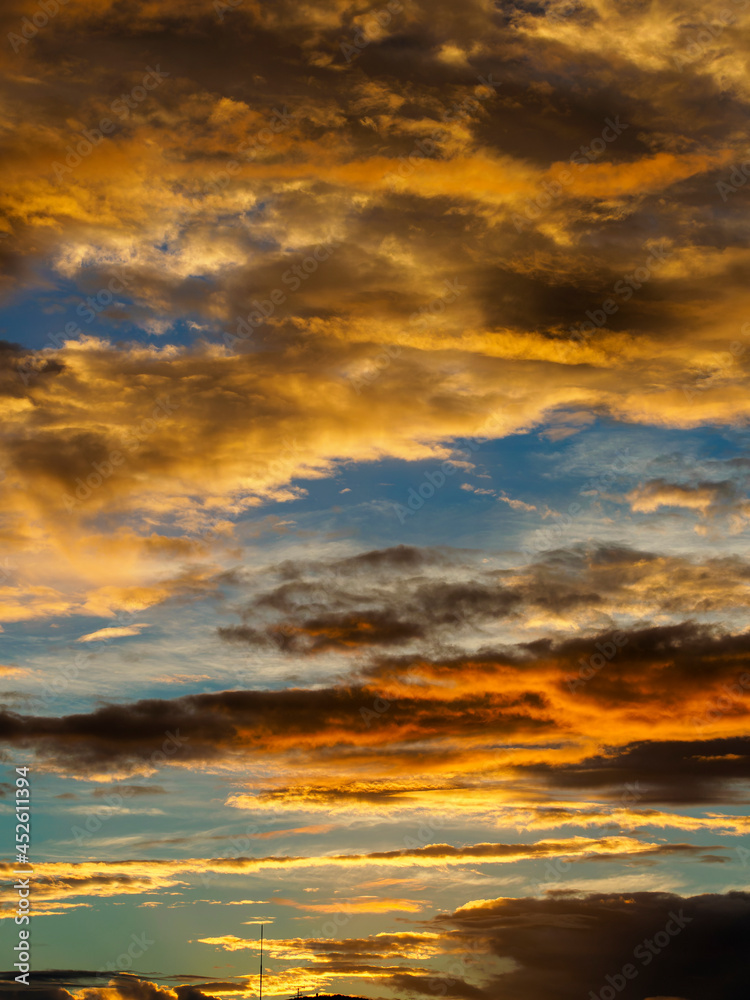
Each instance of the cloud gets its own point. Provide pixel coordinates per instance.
(710, 499)
(39, 992)
(320, 607)
(128, 790)
(494, 220)
(312, 830)
(123, 986)
(654, 940)
(658, 493)
(57, 881)
(684, 945)
(112, 633)
(403, 945)
(415, 174)
(7, 671)
(361, 904)
(568, 706)
(330, 632)
(678, 773)
(517, 504)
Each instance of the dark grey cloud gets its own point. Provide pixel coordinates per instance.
(675, 772)
(99, 793)
(566, 945)
(56, 984)
(208, 726)
(392, 598)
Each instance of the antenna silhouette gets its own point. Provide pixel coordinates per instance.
(260, 992)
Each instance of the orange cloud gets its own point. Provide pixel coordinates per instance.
(360, 904)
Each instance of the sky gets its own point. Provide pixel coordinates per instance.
(374, 504)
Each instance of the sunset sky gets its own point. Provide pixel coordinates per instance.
(374, 497)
